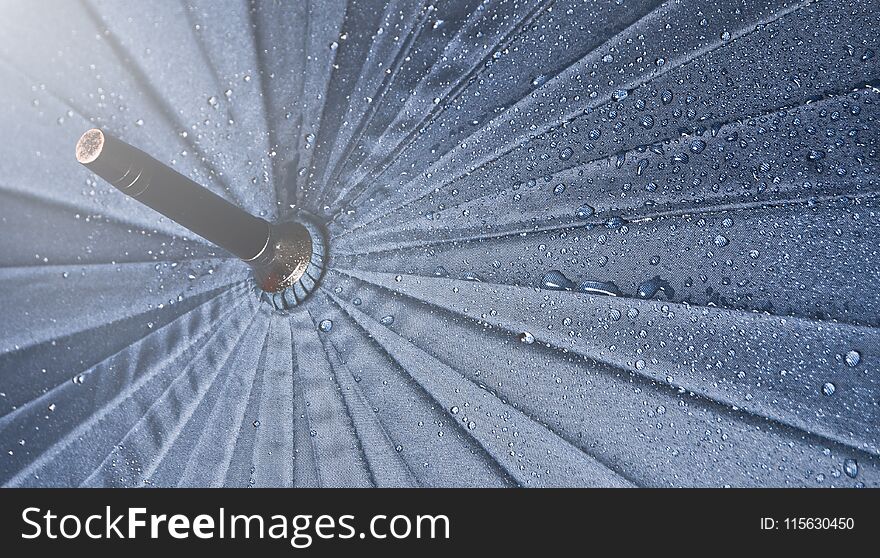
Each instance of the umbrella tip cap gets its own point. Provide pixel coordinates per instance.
(90, 146)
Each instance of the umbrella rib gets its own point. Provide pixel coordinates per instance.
(599, 102)
(384, 354)
(275, 442)
(328, 417)
(322, 120)
(660, 143)
(455, 90)
(78, 432)
(40, 330)
(459, 87)
(167, 112)
(343, 380)
(158, 456)
(209, 443)
(386, 336)
(304, 414)
(597, 358)
(68, 102)
(373, 107)
(264, 96)
(33, 196)
(714, 206)
(203, 50)
(302, 84)
(47, 394)
(352, 396)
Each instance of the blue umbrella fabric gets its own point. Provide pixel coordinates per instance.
(603, 243)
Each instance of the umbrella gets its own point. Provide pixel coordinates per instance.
(557, 243)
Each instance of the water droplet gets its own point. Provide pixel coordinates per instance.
(387, 320)
(527, 338)
(566, 153)
(851, 468)
(721, 241)
(313, 433)
(454, 410)
(594, 287)
(554, 280)
(853, 358)
(828, 389)
(698, 145)
(325, 325)
(212, 101)
(615, 223)
(584, 212)
(640, 364)
(256, 424)
(647, 121)
(652, 286)
(559, 188)
(620, 94)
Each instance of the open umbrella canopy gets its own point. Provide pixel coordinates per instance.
(577, 243)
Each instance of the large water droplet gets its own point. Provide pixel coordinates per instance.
(853, 358)
(851, 468)
(584, 212)
(554, 280)
(654, 285)
(594, 287)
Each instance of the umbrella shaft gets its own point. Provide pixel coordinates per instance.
(172, 194)
(279, 254)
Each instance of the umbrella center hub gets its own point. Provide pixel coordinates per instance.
(299, 253)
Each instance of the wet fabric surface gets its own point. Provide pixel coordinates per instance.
(605, 243)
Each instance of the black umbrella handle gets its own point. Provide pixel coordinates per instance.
(279, 254)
